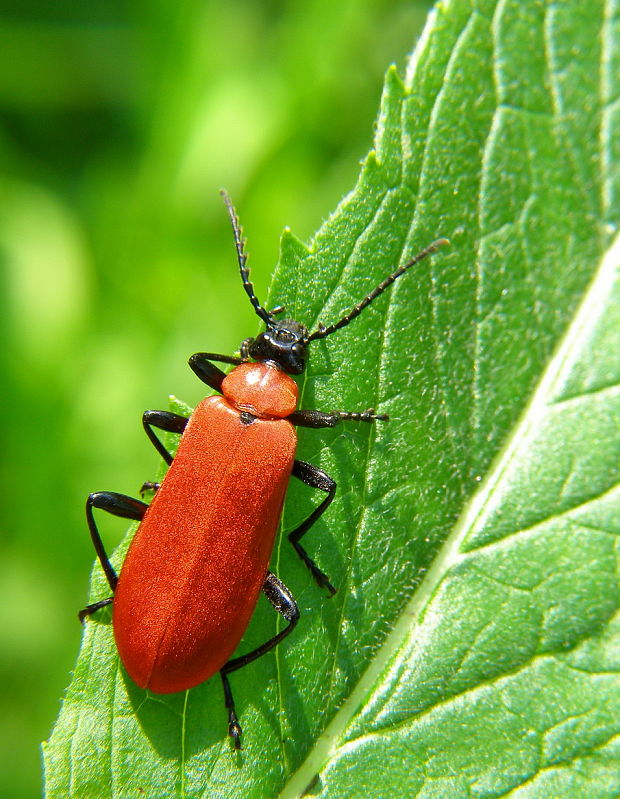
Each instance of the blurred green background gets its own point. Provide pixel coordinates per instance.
(120, 122)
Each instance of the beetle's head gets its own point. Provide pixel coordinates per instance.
(284, 343)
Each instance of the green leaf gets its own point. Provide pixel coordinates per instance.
(471, 647)
(502, 675)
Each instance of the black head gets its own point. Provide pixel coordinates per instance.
(284, 343)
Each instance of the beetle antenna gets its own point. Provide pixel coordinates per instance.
(322, 331)
(242, 257)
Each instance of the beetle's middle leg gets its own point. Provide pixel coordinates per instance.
(118, 505)
(283, 601)
(316, 478)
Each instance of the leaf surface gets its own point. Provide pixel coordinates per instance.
(473, 537)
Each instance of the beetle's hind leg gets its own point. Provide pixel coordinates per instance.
(118, 505)
(283, 601)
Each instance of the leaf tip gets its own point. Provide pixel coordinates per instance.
(292, 248)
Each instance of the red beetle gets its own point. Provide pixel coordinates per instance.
(200, 556)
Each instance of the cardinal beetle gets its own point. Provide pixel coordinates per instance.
(200, 556)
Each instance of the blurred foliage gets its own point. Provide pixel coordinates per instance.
(120, 121)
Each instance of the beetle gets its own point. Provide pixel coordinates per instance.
(200, 556)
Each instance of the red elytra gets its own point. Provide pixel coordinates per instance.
(177, 620)
(200, 556)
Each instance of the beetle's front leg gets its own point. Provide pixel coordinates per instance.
(316, 419)
(208, 372)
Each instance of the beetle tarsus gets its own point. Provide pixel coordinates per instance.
(368, 415)
(235, 732)
(95, 606)
(149, 486)
(234, 728)
(320, 578)
(317, 419)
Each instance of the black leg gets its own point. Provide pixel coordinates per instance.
(117, 505)
(89, 609)
(282, 600)
(234, 728)
(332, 418)
(207, 372)
(164, 420)
(316, 478)
(149, 486)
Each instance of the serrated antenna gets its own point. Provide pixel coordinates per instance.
(242, 258)
(322, 332)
